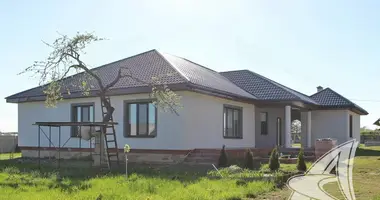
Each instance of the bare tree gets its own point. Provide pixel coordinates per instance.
(65, 59)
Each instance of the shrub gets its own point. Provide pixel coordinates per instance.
(233, 169)
(248, 161)
(301, 165)
(223, 159)
(274, 163)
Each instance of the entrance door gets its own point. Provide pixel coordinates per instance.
(278, 131)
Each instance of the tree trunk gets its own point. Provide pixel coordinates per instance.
(109, 108)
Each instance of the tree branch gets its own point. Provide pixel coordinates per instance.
(65, 56)
(81, 65)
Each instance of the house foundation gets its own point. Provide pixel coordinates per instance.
(150, 156)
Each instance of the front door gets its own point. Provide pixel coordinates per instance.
(278, 131)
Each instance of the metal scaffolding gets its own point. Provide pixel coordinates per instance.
(101, 125)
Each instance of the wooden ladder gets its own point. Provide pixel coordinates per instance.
(110, 138)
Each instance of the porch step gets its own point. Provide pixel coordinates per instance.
(211, 156)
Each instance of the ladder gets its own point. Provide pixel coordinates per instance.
(109, 138)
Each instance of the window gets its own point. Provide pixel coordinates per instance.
(81, 113)
(232, 122)
(140, 120)
(264, 123)
(350, 126)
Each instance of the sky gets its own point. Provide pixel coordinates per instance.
(301, 44)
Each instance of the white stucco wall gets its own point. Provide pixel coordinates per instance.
(304, 138)
(270, 140)
(329, 124)
(204, 122)
(29, 113)
(199, 124)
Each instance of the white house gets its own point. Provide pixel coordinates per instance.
(239, 109)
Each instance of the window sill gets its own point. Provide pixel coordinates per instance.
(226, 137)
(140, 136)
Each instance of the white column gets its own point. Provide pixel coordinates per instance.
(308, 132)
(288, 124)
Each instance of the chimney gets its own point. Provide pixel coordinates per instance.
(319, 88)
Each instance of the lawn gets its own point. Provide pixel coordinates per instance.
(24, 181)
(366, 177)
(7, 156)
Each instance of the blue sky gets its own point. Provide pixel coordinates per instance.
(301, 44)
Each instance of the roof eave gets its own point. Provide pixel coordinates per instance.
(218, 93)
(354, 109)
(94, 93)
(360, 111)
(284, 102)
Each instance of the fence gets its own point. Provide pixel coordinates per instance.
(8, 142)
(369, 136)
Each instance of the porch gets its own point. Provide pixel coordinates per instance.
(274, 126)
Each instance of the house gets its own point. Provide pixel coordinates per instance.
(240, 109)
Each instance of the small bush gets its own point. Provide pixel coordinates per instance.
(223, 159)
(233, 169)
(248, 161)
(301, 165)
(274, 163)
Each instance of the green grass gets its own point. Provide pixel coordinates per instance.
(24, 181)
(117, 187)
(366, 176)
(284, 167)
(6, 156)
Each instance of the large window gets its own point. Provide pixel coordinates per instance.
(264, 123)
(140, 120)
(232, 122)
(81, 113)
(350, 126)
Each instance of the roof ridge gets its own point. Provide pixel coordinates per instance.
(237, 70)
(350, 103)
(72, 76)
(192, 62)
(339, 95)
(277, 84)
(225, 78)
(104, 65)
(173, 66)
(215, 74)
(318, 92)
